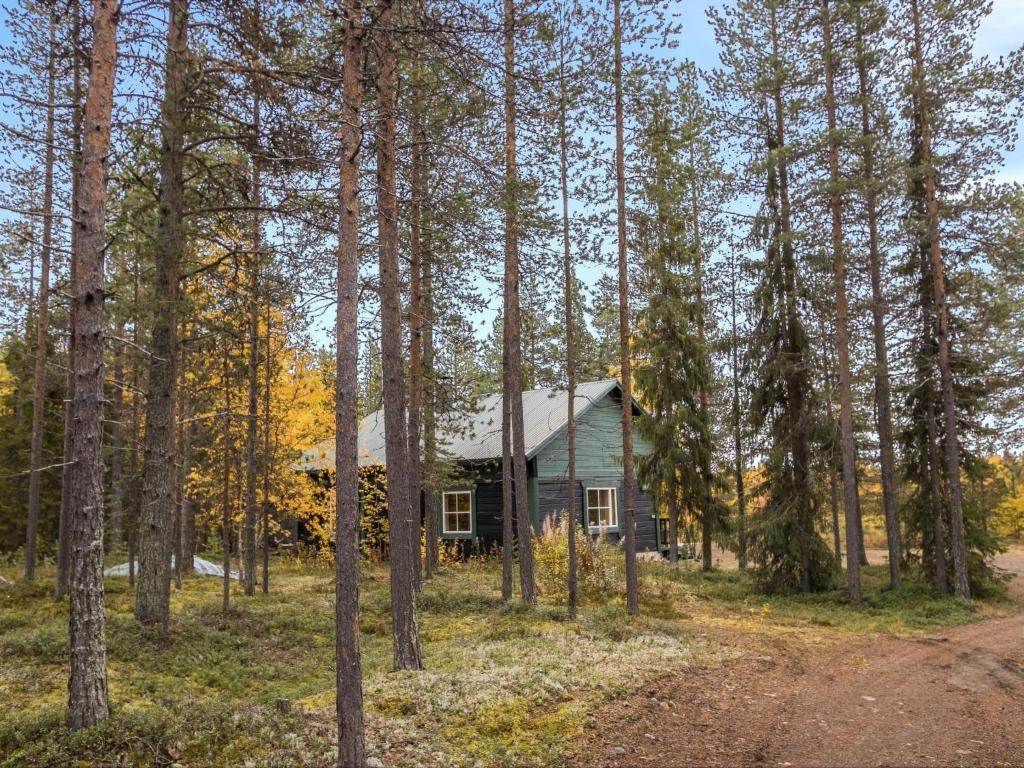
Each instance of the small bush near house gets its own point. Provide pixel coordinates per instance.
(600, 567)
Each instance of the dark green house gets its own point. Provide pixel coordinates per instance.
(470, 509)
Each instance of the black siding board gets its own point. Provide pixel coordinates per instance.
(553, 500)
(488, 514)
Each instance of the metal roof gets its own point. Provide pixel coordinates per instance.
(475, 436)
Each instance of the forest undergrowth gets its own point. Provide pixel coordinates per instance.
(505, 684)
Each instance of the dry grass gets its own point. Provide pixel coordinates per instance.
(505, 685)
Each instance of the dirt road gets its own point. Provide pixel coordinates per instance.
(952, 698)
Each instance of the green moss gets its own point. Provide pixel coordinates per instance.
(43, 641)
(881, 611)
(505, 684)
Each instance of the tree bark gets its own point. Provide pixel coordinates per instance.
(851, 506)
(628, 472)
(159, 459)
(348, 663)
(42, 315)
(958, 542)
(87, 687)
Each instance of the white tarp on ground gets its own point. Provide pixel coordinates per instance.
(202, 567)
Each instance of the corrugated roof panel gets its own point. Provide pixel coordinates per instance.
(474, 436)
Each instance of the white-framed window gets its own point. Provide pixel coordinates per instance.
(457, 513)
(602, 508)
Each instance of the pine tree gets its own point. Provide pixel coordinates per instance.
(400, 512)
(348, 660)
(851, 505)
(674, 375)
(783, 539)
(88, 701)
(514, 471)
(628, 473)
(152, 601)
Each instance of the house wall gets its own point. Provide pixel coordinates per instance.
(488, 514)
(551, 503)
(553, 499)
(598, 444)
(598, 463)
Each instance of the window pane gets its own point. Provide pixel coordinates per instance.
(601, 511)
(458, 512)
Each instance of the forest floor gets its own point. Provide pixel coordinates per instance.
(712, 672)
(950, 698)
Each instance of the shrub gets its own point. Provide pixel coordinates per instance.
(599, 564)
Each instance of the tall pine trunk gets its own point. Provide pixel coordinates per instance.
(707, 503)
(570, 329)
(883, 395)
(396, 444)
(851, 508)
(87, 687)
(159, 458)
(628, 472)
(134, 481)
(265, 509)
(512, 374)
(115, 533)
(433, 553)
(42, 314)
(77, 117)
(958, 542)
(348, 661)
(737, 436)
(416, 326)
(187, 531)
(227, 449)
(253, 367)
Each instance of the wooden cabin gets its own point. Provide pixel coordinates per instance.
(470, 509)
